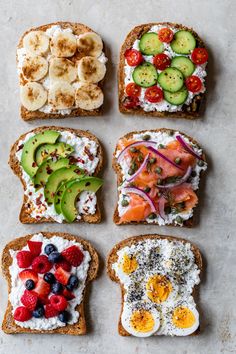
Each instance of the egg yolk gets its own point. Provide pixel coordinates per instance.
(129, 264)
(183, 317)
(158, 288)
(142, 321)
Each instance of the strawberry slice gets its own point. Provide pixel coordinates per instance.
(68, 294)
(63, 264)
(42, 288)
(35, 247)
(62, 275)
(50, 311)
(24, 259)
(22, 314)
(28, 274)
(73, 255)
(29, 299)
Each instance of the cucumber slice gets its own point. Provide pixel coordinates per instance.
(171, 79)
(145, 75)
(185, 65)
(150, 44)
(176, 98)
(183, 42)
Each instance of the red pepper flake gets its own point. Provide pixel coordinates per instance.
(49, 170)
(34, 164)
(20, 147)
(38, 200)
(90, 156)
(30, 193)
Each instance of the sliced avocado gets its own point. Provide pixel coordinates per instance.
(46, 169)
(57, 177)
(71, 193)
(28, 162)
(59, 194)
(52, 150)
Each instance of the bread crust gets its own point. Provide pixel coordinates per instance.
(192, 111)
(77, 28)
(113, 257)
(116, 167)
(14, 163)
(8, 325)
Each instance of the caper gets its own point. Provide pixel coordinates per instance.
(152, 216)
(161, 146)
(147, 189)
(200, 163)
(179, 220)
(178, 160)
(168, 210)
(152, 160)
(170, 132)
(140, 158)
(131, 171)
(146, 137)
(194, 174)
(159, 181)
(133, 149)
(124, 203)
(134, 166)
(181, 205)
(159, 170)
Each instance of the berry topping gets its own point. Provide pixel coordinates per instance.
(24, 259)
(38, 312)
(49, 248)
(49, 278)
(41, 264)
(22, 314)
(50, 311)
(42, 288)
(64, 316)
(73, 255)
(57, 288)
(54, 257)
(29, 284)
(35, 247)
(68, 294)
(63, 264)
(29, 299)
(73, 282)
(58, 302)
(62, 276)
(28, 274)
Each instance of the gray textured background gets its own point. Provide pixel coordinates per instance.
(214, 20)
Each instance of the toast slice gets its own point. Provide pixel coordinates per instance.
(82, 103)
(160, 138)
(9, 325)
(130, 244)
(14, 161)
(190, 105)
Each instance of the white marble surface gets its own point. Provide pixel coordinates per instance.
(215, 235)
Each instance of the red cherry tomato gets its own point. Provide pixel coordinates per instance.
(165, 35)
(193, 83)
(161, 61)
(133, 57)
(131, 102)
(154, 94)
(133, 90)
(199, 56)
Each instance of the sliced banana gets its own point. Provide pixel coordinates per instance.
(91, 70)
(62, 69)
(61, 95)
(63, 45)
(33, 96)
(34, 68)
(36, 42)
(89, 43)
(89, 96)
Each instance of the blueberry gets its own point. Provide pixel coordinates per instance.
(38, 312)
(29, 284)
(64, 316)
(49, 278)
(73, 282)
(57, 288)
(49, 248)
(54, 257)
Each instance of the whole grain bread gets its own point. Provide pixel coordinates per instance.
(14, 163)
(189, 111)
(113, 257)
(77, 28)
(116, 218)
(9, 326)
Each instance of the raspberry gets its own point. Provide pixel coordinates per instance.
(24, 259)
(41, 264)
(29, 299)
(50, 311)
(35, 247)
(73, 255)
(22, 314)
(58, 302)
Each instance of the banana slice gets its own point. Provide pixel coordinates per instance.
(89, 96)
(62, 69)
(61, 95)
(33, 96)
(34, 68)
(91, 70)
(63, 45)
(90, 43)
(36, 42)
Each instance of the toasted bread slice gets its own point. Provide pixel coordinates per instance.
(25, 213)
(113, 258)
(188, 111)
(190, 222)
(9, 325)
(27, 115)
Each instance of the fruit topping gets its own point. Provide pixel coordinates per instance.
(28, 274)
(73, 255)
(49, 278)
(42, 288)
(50, 311)
(24, 259)
(73, 282)
(57, 288)
(49, 248)
(62, 276)
(64, 316)
(29, 299)
(58, 302)
(38, 312)
(41, 264)
(22, 314)
(68, 294)
(64, 265)
(54, 257)
(30, 284)
(35, 247)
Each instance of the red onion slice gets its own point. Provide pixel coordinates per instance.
(137, 143)
(177, 183)
(187, 147)
(164, 157)
(161, 207)
(142, 166)
(142, 194)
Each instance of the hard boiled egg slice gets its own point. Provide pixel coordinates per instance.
(184, 320)
(129, 264)
(160, 289)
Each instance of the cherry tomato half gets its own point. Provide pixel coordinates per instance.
(154, 94)
(131, 102)
(133, 57)
(133, 90)
(161, 61)
(199, 56)
(165, 35)
(193, 83)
